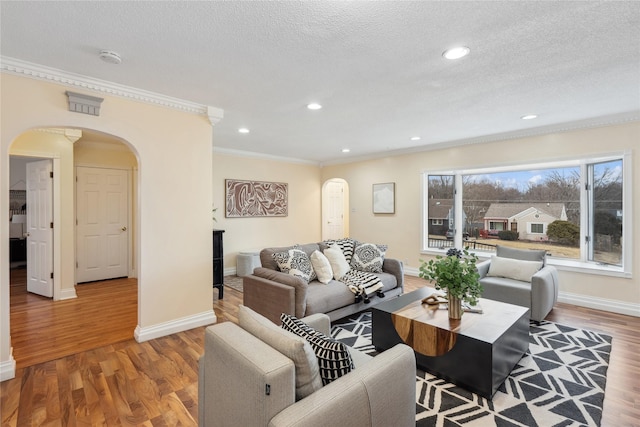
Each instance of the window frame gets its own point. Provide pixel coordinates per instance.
(582, 264)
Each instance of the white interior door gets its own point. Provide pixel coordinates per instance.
(102, 200)
(334, 212)
(40, 228)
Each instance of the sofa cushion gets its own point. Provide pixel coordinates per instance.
(266, 255)
(296, 263)
(338, 262)
(510, 268)
(322, 267)
(333, 356)
(289, 344)
(523, 254)
(368, 257)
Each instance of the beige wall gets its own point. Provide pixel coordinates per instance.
(302, 225)
(402, 230)
(174, 198)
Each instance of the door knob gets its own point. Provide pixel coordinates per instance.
(124, 228)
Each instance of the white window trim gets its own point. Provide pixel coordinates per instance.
(582, 264)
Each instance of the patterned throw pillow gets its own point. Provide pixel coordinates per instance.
(296, 263)
(346, 245)
(368, 257)
(333, 356)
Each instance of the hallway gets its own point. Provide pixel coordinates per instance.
(42, 329)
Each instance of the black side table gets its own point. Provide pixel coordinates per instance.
(218, 262)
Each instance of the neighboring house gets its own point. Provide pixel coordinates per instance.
(530, 220)
(440, 215)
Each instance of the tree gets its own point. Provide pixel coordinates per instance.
(564, 232)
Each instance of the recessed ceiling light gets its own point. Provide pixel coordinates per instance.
(314, 106)
(243, 130)
(345, 150)
(456, 52)
(529, 117)
(110, 56)
(415, 138)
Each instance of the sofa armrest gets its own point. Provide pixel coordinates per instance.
(320, 322)
(544, 292)
(242, 380)
(268, 297)
(395, 267)
(299, 285)
(483, 268)
(379, 394)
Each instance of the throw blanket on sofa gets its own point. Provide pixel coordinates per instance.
(362, 284)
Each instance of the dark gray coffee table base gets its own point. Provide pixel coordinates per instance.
(485, 352)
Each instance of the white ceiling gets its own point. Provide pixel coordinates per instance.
(376, 67)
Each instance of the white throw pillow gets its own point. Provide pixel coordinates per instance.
(339, 264)
(322, 267)
(513, 268)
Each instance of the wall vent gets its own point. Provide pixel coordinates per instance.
(79, 103)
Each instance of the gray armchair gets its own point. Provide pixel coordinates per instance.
(509, 280)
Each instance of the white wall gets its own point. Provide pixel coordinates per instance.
(402, 230)
(174, 199)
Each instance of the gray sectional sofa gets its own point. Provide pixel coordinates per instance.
(250, 375)
(271, 292)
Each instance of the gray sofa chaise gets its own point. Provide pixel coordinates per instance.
(520, 277)
(271, 292)
(243, 381)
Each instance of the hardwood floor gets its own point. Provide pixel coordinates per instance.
(155, 383)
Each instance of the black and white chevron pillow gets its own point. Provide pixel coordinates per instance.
(333, 356)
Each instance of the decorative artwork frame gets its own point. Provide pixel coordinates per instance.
(256, 199)
(384, 198)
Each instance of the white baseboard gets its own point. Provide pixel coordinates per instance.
(604, 304)
(231, 271)
(67, 294)
(8, 369)
(613, 306)
(167, 328)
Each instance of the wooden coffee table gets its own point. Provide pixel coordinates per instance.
(477, 352)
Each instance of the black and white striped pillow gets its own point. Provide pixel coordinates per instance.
(333, 356)
(346, 245)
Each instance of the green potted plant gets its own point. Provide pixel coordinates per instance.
(456, 273)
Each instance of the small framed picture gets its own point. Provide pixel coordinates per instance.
(384, 198)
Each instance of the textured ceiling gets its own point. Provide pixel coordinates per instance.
(376, 67)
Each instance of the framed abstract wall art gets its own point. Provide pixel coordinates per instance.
(255, 198)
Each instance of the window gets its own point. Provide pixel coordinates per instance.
(435, 221)
(575, 210)
(537, 228)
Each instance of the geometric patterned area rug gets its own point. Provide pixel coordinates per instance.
(560, 381)
(234, 282)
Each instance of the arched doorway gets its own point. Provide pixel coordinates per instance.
(69, 149)
(335, 209)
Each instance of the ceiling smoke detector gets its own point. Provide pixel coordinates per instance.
(110, 56)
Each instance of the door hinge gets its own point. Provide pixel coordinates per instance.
(51, 224)
(52, 274)
(587, 239)
(51, 174)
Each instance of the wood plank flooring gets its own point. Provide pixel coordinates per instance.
(155, 383)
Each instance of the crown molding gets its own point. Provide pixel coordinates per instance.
(48, 74)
